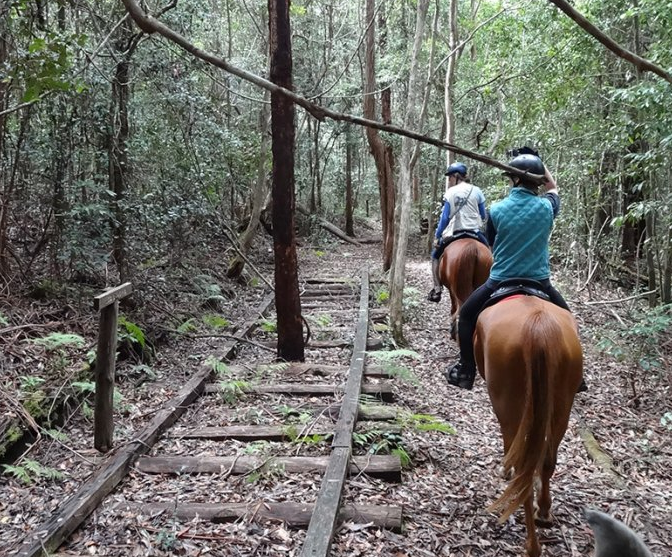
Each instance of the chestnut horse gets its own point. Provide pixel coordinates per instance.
(465, 265)
(529, 354)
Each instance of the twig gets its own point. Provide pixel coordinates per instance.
(633, 297)
(234, 337)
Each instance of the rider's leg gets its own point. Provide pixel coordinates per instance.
(482, 238)
(435, 293)
(558, 300)
(463, 373)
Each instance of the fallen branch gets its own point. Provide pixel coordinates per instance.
(335, 230)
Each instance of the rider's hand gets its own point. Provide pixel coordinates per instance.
(435, 243)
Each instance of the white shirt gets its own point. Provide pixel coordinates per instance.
(464, 199)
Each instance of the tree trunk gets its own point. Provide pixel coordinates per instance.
(349, 228)
(403, 209)
(287, 303)
(382, 154)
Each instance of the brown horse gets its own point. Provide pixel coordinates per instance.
(529, 354)
(465, 265)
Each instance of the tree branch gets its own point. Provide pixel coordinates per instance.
(618, 50)
(151, 25)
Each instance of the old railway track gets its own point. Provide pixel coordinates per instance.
(187, 439)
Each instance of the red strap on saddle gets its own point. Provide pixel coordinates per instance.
(512, 297)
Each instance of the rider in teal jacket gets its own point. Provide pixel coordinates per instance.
(519, 229)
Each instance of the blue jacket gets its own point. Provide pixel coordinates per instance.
(519, 229)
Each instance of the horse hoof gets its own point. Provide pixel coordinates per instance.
(506, 474)
(544, 521)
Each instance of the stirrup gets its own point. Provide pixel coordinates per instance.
(434, 295)
(460, 377)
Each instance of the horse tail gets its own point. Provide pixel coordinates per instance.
(528, 450)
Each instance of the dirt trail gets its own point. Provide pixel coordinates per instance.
(454, 477)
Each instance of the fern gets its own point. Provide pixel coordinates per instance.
(32, 470)
(425, 422)
(404, 457)
(269, 326)
(280, 366)
(216, 321)
(231, 391)
(187, 327)
(57, 435)
(84, 386)
(388, 355)
(30, 382)
(19, 472)
(219, 367)
(59, 340)
(131, 332)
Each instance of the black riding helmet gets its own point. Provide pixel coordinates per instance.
(527, 163)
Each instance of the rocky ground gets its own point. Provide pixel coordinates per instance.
(624, 420)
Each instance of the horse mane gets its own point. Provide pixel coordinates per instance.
(526, 454)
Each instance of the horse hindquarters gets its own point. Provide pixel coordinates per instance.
(520, 347)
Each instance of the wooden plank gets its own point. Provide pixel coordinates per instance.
(293, 514)
(369, 412)
(323, 522)
(307, 368)
(48, 536)
(387, 467)
(269, 432)
(382, 390)
(371, 344)
(353, 388)
(112, 295)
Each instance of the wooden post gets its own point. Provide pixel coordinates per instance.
(108, 305)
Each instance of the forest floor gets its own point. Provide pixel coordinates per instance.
(453, 477)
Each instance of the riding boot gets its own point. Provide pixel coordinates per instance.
(435, 293)
(461, 375)
(582, 387)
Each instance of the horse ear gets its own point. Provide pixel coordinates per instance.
(613, 538)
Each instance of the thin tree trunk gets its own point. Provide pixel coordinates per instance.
(403, 209)
(60, 132)
(349, 228)
(287, 303)
(259, 193)
(4, 166)
(381, 154)
(119, 163)
(450, 80)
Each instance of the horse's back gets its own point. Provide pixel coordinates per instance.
(510, 331)
(465, 265)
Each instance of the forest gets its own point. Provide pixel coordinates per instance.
(149, 150)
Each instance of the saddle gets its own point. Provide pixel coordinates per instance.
(516, 287)
(459, 235)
